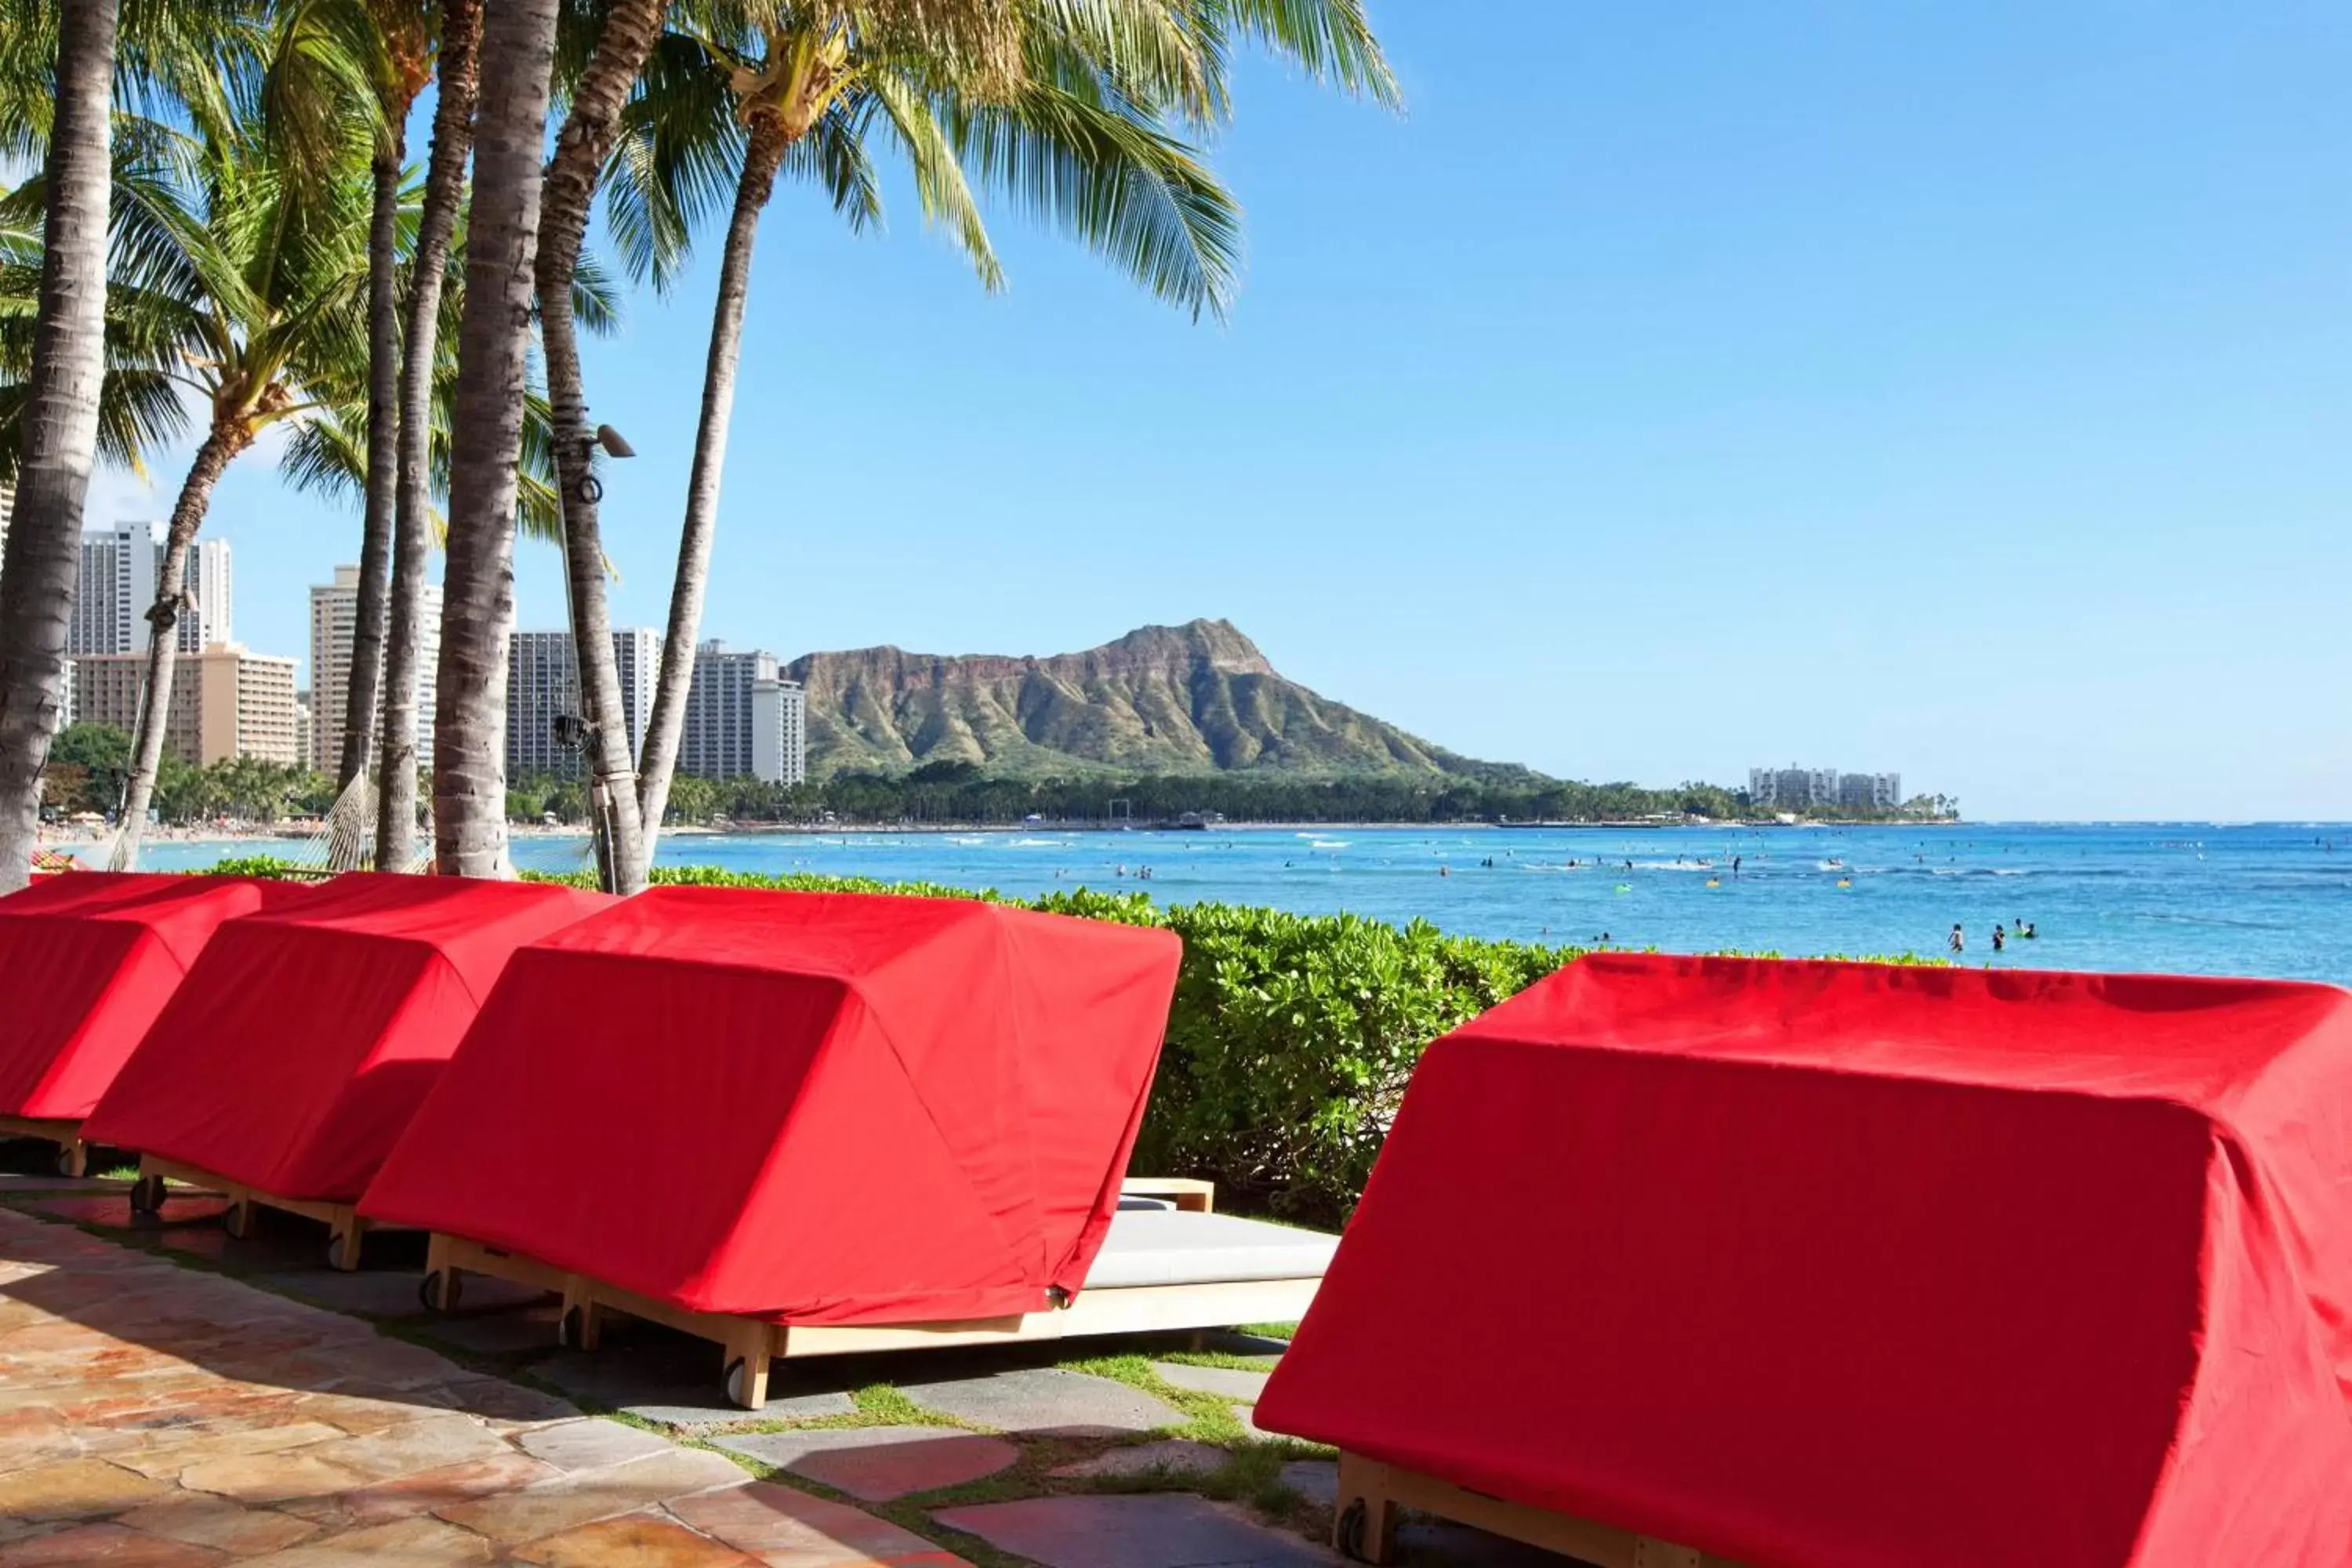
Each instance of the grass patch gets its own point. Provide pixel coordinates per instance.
(1282, 1331)
(1224, 1359)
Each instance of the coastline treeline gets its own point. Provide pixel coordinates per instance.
(960, 792)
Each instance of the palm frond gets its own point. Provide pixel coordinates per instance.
(1330, 40)
(939, 184)
(1073, 154)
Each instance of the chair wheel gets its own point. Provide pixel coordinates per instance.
(238, 1221)
(568, 1328)
(1348, 1533)
(73, 1162)
(147, 1196)
(439, 1292)
(340, 1255)
(735, 1384)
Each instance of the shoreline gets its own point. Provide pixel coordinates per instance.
(51, 840)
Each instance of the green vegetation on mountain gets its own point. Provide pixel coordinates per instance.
(1194, 699)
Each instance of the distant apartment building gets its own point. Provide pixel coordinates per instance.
(1794, 788)
(65, 714)
(544, 683)
(743, 719)
(226, 703)
(120, 567)
(303, 737)
(334, 611)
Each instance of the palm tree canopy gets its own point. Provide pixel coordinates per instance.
(177, 62)
(1069, 107)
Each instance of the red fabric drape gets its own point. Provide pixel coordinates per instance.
(300, 1044)
(1825, 1265)
(87, 961)
(826, 1108)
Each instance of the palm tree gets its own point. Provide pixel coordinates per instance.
(478, 604)
(330, 53)
(1075, 132)
(445, 183)
(591, 128)
(58, 66)
(36, 580)
(262, 275)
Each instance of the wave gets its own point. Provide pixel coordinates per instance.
(1326, 843)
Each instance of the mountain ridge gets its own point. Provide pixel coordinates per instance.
(1195, 698)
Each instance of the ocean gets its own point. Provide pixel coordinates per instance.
(2269, 899)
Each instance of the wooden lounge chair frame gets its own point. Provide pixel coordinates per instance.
(346, 1228)
(752, 1344)
(73, 1154)
(1371, 1493)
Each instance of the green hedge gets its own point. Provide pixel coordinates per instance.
(1290, 1039)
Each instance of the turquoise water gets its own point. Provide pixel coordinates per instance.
(2195, 898)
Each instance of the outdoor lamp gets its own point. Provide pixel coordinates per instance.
(591, 489)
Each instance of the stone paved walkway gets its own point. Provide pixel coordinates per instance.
(157, 1417)
(154, 1411)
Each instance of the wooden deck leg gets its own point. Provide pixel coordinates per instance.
(1365, 1526)
(583, 1321)
(748, 1349)
(440, 1290)
(343, 1245)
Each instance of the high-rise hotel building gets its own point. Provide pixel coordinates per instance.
(119, 566)
(334, 611)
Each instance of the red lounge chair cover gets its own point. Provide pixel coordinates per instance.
(1832, 1265)
(820, 1108)
(87, 960)
(301, 1043)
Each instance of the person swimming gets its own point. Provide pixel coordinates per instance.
(1958, 942)
(2000, 939)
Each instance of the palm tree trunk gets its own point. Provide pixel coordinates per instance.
(469, 774)
(212, 459)
(369, 612)
(762, 158)
(44, 556)
(586, 143)
(412, 549)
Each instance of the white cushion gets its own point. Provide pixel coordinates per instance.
(1172, 1246)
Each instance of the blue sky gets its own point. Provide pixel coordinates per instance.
(1965, 390)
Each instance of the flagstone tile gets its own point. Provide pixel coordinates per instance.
(879, 1463)
(109, 1544)
(269, 1477)
(789, 1529)
(164, 1460)
(74, 1488)
(1046, 1400)
(202, 1520)
(585, 1498)
(419, 1543)
(1229, 1382)
(431, 1443)
(427, 1490)
(637, 1541)
(592, 1443)
(1155, 1529)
